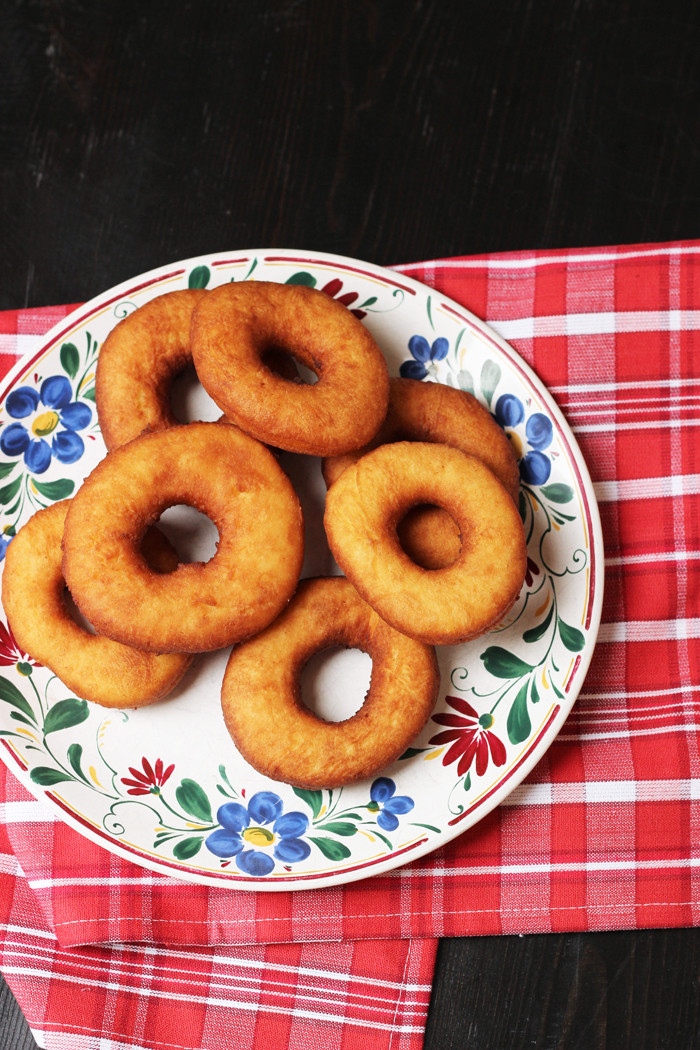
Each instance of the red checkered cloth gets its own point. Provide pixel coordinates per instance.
(602, 835)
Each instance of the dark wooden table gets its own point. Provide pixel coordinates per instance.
(133, 134)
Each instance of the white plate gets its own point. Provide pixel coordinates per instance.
(512, 689)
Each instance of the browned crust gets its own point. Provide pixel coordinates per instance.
(449, 605)
(236, 324)
(226, 475)
(436, 413)
(265, 713)
(92, 666)
(138, 361)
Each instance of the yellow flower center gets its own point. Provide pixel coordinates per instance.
(516, 443)
(258, 836)
(45, 423)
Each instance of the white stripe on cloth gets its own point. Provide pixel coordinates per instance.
(25, 812)
(647, 488)
(340, 1017)
(233, 983)
(17, 344)
(649, 630)
(605, 322)
(649, 559)
(604, 791)
(632, 384)
(497, 263)
(647, 424)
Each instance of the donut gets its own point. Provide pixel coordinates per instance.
(226, 475)
(266, 715)
(137, 363)
(435, 412)
(233, 327)
(92, 666)
(444, 606)
(139, 360)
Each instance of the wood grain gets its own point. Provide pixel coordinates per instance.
(132, 135)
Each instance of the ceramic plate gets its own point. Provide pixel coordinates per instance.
(153, 785)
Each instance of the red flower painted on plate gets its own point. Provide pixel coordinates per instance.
(10, 652)
(471, 737)
(332, 289)
(150, 781)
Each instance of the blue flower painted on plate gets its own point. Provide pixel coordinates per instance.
(246, 826)
(424, 356)
(63, 419)
(387, 804)
(5, 540)
(535, 468)
(509, 410)
(539, 431)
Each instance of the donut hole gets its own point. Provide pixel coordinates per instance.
(289, 367)
(334, 683)
(194, 536)
(189, 400)
(430, 536)
(75, 613)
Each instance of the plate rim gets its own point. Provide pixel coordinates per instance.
(537, 747)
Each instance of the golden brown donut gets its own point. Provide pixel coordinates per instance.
(264, 710)
(443, 606)
(435, 412)
(236, 324)
(92, 666)
(138, 361)
(226, 475)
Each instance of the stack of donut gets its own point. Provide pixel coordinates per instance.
(420, 516)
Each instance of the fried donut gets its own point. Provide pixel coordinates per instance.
(234, 326)
(226, 475)
(139, 360)
(268, 720)
(92, 666)
(435, 412)
(363, 509)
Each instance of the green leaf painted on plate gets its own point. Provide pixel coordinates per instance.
(339, 827)
(518, 724)
(411, 752)
(313, 799)
(558, 492)
(557, 691)
(89, 395)
(331, 849)
(75, 754)
(199, 277)
(502, 664)
(187, 848)
(7, 468)
(302, 278)
(535, 633)
(368, 302)
(17, 716)
(46, 777)
(465, 380)
(65, 714)
(193, 800)
(468, 781)
(55, 490)
(430, 827)
(534, 695)
(573, 639)
(490, 378)
(8, 492)
(522, 506)
(70, 359)
(11, 695)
